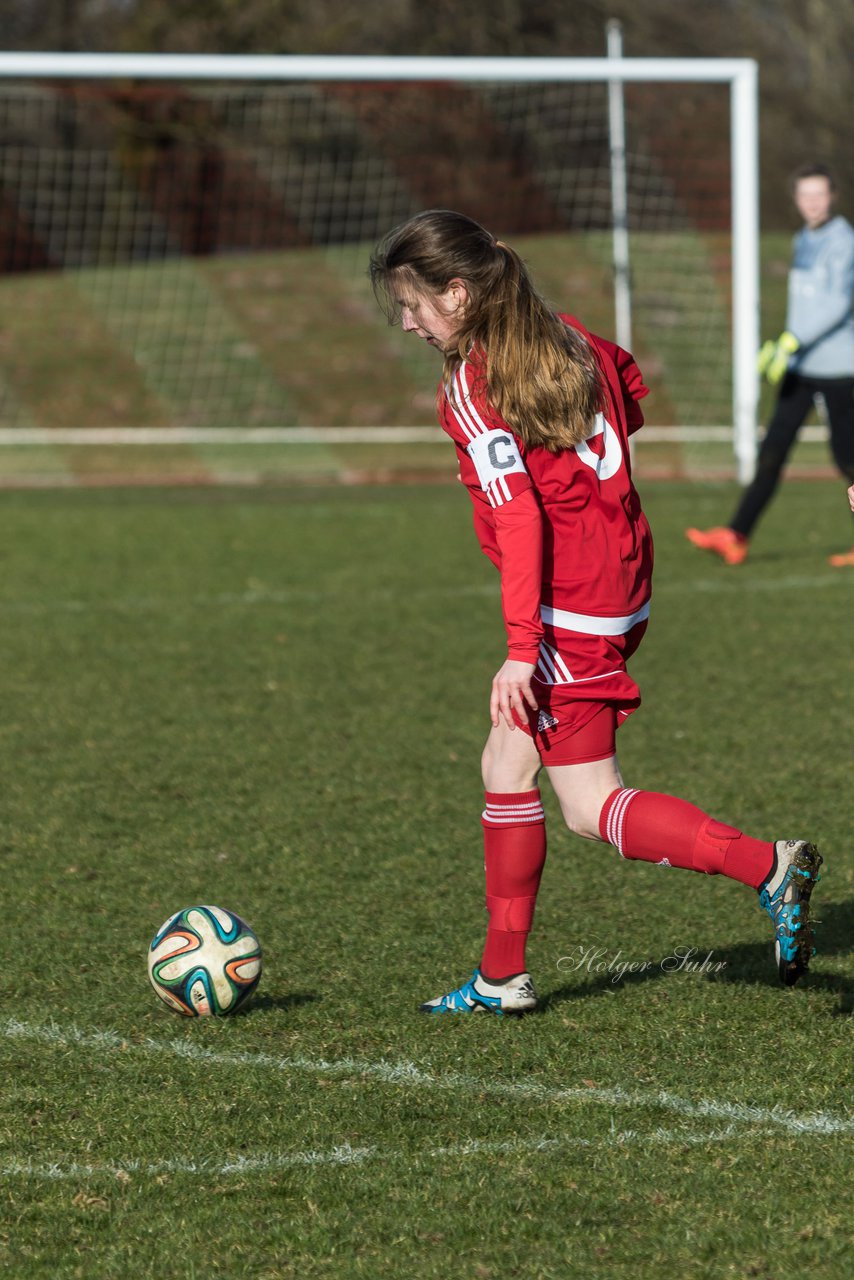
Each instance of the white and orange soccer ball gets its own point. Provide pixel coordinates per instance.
(204, 960)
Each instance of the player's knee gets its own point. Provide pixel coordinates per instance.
(503, 770)
(582, 821)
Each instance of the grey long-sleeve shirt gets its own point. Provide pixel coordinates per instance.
(821, 298)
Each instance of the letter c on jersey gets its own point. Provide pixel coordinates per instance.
(493, 453)
(612, 457)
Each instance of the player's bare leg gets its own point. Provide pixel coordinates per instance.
(510, 761)
(582, 790)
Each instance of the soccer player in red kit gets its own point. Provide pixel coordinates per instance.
(540, 412)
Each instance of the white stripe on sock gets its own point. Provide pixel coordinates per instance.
(517, 812)
(616, 819)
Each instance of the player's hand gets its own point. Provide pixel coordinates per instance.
(511, 691)
(851, 497)
(773, 359)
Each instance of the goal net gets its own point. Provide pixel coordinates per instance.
(183, 255)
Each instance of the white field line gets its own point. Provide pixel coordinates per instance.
(408, 1074)
(737, 584)
(238, 599)
(274, 1161)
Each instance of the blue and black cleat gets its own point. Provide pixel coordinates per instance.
(785, 895)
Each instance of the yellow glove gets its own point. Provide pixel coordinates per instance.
(773, 360)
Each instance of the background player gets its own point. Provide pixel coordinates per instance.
(814, 356)
(540, 412)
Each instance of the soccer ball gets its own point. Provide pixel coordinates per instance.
(204, 960)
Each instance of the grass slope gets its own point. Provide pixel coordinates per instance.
(295, 337)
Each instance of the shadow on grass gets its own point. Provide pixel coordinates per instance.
(749, 962)
(264, 1002)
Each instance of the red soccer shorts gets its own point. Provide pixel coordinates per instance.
(584, 693)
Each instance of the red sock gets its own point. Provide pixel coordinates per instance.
(514, 842)
(671, 832)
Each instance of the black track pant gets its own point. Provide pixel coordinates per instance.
(793, 405)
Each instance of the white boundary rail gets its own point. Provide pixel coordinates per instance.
(739, 73)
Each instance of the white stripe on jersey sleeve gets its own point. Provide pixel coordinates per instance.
(462, 408)
(461, 421)
(477, 420)
(498, 492)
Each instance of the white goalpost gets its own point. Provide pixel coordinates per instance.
(190, 232)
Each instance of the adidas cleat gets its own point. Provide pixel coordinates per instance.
(786, 897)
(515, 996)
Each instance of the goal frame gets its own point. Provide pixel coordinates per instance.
(741, 74)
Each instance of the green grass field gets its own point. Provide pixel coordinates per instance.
(274, 700)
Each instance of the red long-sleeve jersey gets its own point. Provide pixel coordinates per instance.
(566, 529)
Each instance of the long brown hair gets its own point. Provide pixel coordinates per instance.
(541, 376)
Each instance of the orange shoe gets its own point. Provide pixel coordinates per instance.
(842, 559)
(732, 547)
